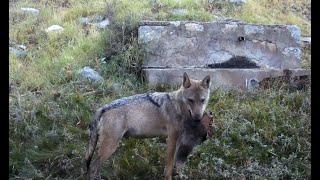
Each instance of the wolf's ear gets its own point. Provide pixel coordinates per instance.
(206, 82)
(186, 81)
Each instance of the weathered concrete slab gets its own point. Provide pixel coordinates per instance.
(221, 78)
(199, 44)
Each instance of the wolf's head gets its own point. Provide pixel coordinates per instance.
(195, 95)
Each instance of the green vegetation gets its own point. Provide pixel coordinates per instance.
(258, 134)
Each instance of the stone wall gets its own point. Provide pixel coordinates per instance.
(176, 45)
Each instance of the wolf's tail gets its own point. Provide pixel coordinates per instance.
(93, 138)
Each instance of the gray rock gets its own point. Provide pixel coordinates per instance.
(90, 74)
(30, 10)
(84, 20)
(54, 28)
(96, 19)
(179, 11)
(116, 87)
(18, 52)
(23, 47)
(237, 2)
(103, 24)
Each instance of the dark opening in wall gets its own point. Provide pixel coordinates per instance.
(235, 62)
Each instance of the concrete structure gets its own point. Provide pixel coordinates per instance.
(243, 50)
(220, 78)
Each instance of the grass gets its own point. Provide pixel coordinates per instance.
(262, 134)
(50, 108)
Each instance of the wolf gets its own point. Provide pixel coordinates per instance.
(146, 115)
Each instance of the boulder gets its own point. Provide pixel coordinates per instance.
(21, 53)
(236, 2)
(90, 74)
(54, 28)
(103, 24)
(179, 11)
(30, 10)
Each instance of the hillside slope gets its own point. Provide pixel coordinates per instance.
(259, 134)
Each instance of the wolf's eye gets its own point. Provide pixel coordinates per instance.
(190, 100)
(202, 100)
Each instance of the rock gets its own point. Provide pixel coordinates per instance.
(30, 10)
(91, 19)
(116, 87)
(90, 74)
(18, 52)
(23, 47)
(96, 19)
(103, 24)
(179, 11)
(237, 2)
(84, 20)
(54, 28)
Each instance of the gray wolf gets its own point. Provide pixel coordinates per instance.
(146, 115)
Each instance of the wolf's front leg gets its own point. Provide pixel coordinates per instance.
(173, 135)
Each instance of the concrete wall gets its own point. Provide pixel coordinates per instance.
(198, 44)
(232, 53)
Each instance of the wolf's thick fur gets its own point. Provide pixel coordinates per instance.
(146, 115)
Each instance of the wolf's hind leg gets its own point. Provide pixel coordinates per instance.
(107, 145)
